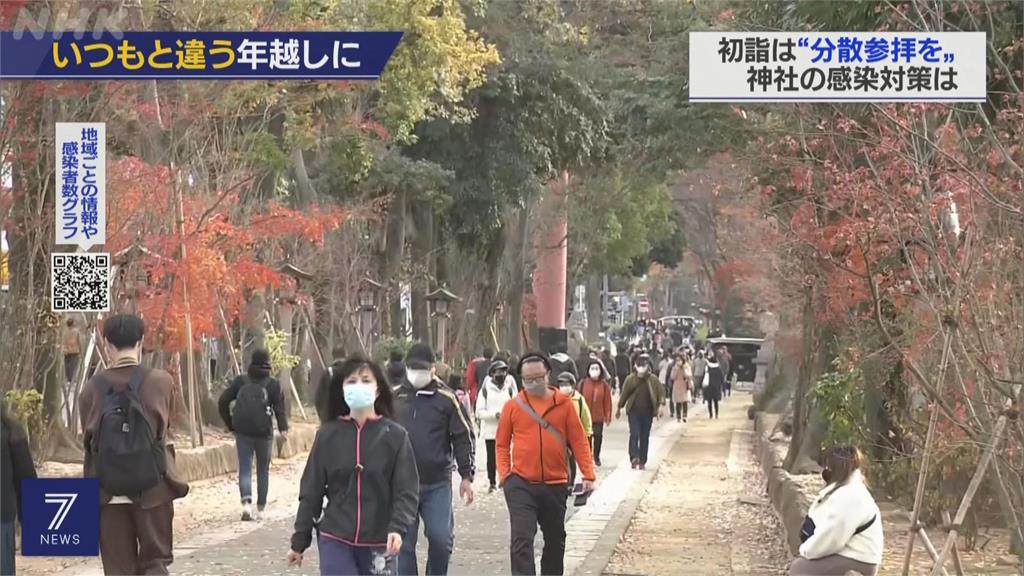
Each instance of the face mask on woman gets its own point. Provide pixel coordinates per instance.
(595, 372)
(360, 395)
(418, 378)
(566, 389)
(641, 370)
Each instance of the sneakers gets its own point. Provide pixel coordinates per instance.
(247, 515)
(642, 466)
(492, 488)
(636, 463)
(597, 462)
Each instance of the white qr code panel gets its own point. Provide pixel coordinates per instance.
(80, 282)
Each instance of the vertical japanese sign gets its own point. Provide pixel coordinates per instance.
(81, 181)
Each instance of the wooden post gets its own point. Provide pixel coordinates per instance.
(965, 503)
(922, 476)
(957, 564)
(312, 337)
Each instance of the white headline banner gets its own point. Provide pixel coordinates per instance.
(837, 66)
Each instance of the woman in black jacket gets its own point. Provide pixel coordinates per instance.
(362, 461)
(15, 465)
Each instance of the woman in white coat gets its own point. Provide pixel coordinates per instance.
(843, 529)
(497, 389)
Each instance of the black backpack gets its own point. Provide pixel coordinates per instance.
(130, 458)
(252, 414)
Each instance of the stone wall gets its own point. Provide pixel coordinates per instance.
(790, 499)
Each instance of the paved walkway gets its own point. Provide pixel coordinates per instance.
(705, 512)
(481, 533)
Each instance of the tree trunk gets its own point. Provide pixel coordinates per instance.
(305, 193)
(803, 383)
(423, 269)
(391, 263)
(486, 286)
(517, 282)
(254, 333)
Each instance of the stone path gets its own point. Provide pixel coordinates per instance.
(705, 512)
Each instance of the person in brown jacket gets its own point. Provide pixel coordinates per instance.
(597, 391)
(136, 534)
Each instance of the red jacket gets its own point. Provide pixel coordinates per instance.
(598, 394)
(537, 457)
(470, 378)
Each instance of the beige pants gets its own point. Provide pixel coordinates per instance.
(834, 565)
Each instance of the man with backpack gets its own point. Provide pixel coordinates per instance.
(257, 400)
(126, 411)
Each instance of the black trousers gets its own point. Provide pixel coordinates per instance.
(681, 409)
(492, 465)
(598, 438)
(712, 407)
(530, 505)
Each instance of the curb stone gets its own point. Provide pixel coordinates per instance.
(790, 502)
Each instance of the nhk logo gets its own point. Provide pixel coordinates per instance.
(61, 517)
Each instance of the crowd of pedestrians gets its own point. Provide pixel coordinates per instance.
(392, 437)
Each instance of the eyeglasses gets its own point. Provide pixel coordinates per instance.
(535, 381)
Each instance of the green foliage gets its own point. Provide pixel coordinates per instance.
(385, 346)
(26, 406)
(279, 359)
(839, 395)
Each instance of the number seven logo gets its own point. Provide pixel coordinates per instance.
(66, 501)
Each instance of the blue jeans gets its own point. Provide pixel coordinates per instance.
(7, 549)
(439, 526)
(639, 436)
(340, 559)
(262, 447)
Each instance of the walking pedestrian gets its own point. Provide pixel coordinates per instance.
(682, 384)
(712, 385)
(15, 465)
(476, 370)
(725, 362)
(438, 429)
(665, 377)
(72, 346)
(320, 398)
(597, 392)
(498, 388)
(622, 364)
(567, 385)
(535, 433)
(257, 399)
(136, 469)
(843, 529)
(362, 462)
(396, 368)
(699, 366)
(643, 399)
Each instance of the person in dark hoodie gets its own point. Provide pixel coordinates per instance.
(320, 398)
(713, 384)
(257, 399)
(395, 368)
(439, 429)
(15, 466)
(362, 461)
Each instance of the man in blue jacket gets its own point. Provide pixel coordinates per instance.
(440, 432)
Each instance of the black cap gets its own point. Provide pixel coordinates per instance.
(419, 357)
(566, 377)
(497, 365)
(261, 358)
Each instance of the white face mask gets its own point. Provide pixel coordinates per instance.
(595, 372)
(567, 390)
(418, 378)
(641, 370)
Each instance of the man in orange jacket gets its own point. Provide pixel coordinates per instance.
(542, 425)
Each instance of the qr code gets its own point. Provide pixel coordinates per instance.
(80, 282)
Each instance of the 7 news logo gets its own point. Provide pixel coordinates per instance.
(61, 517)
